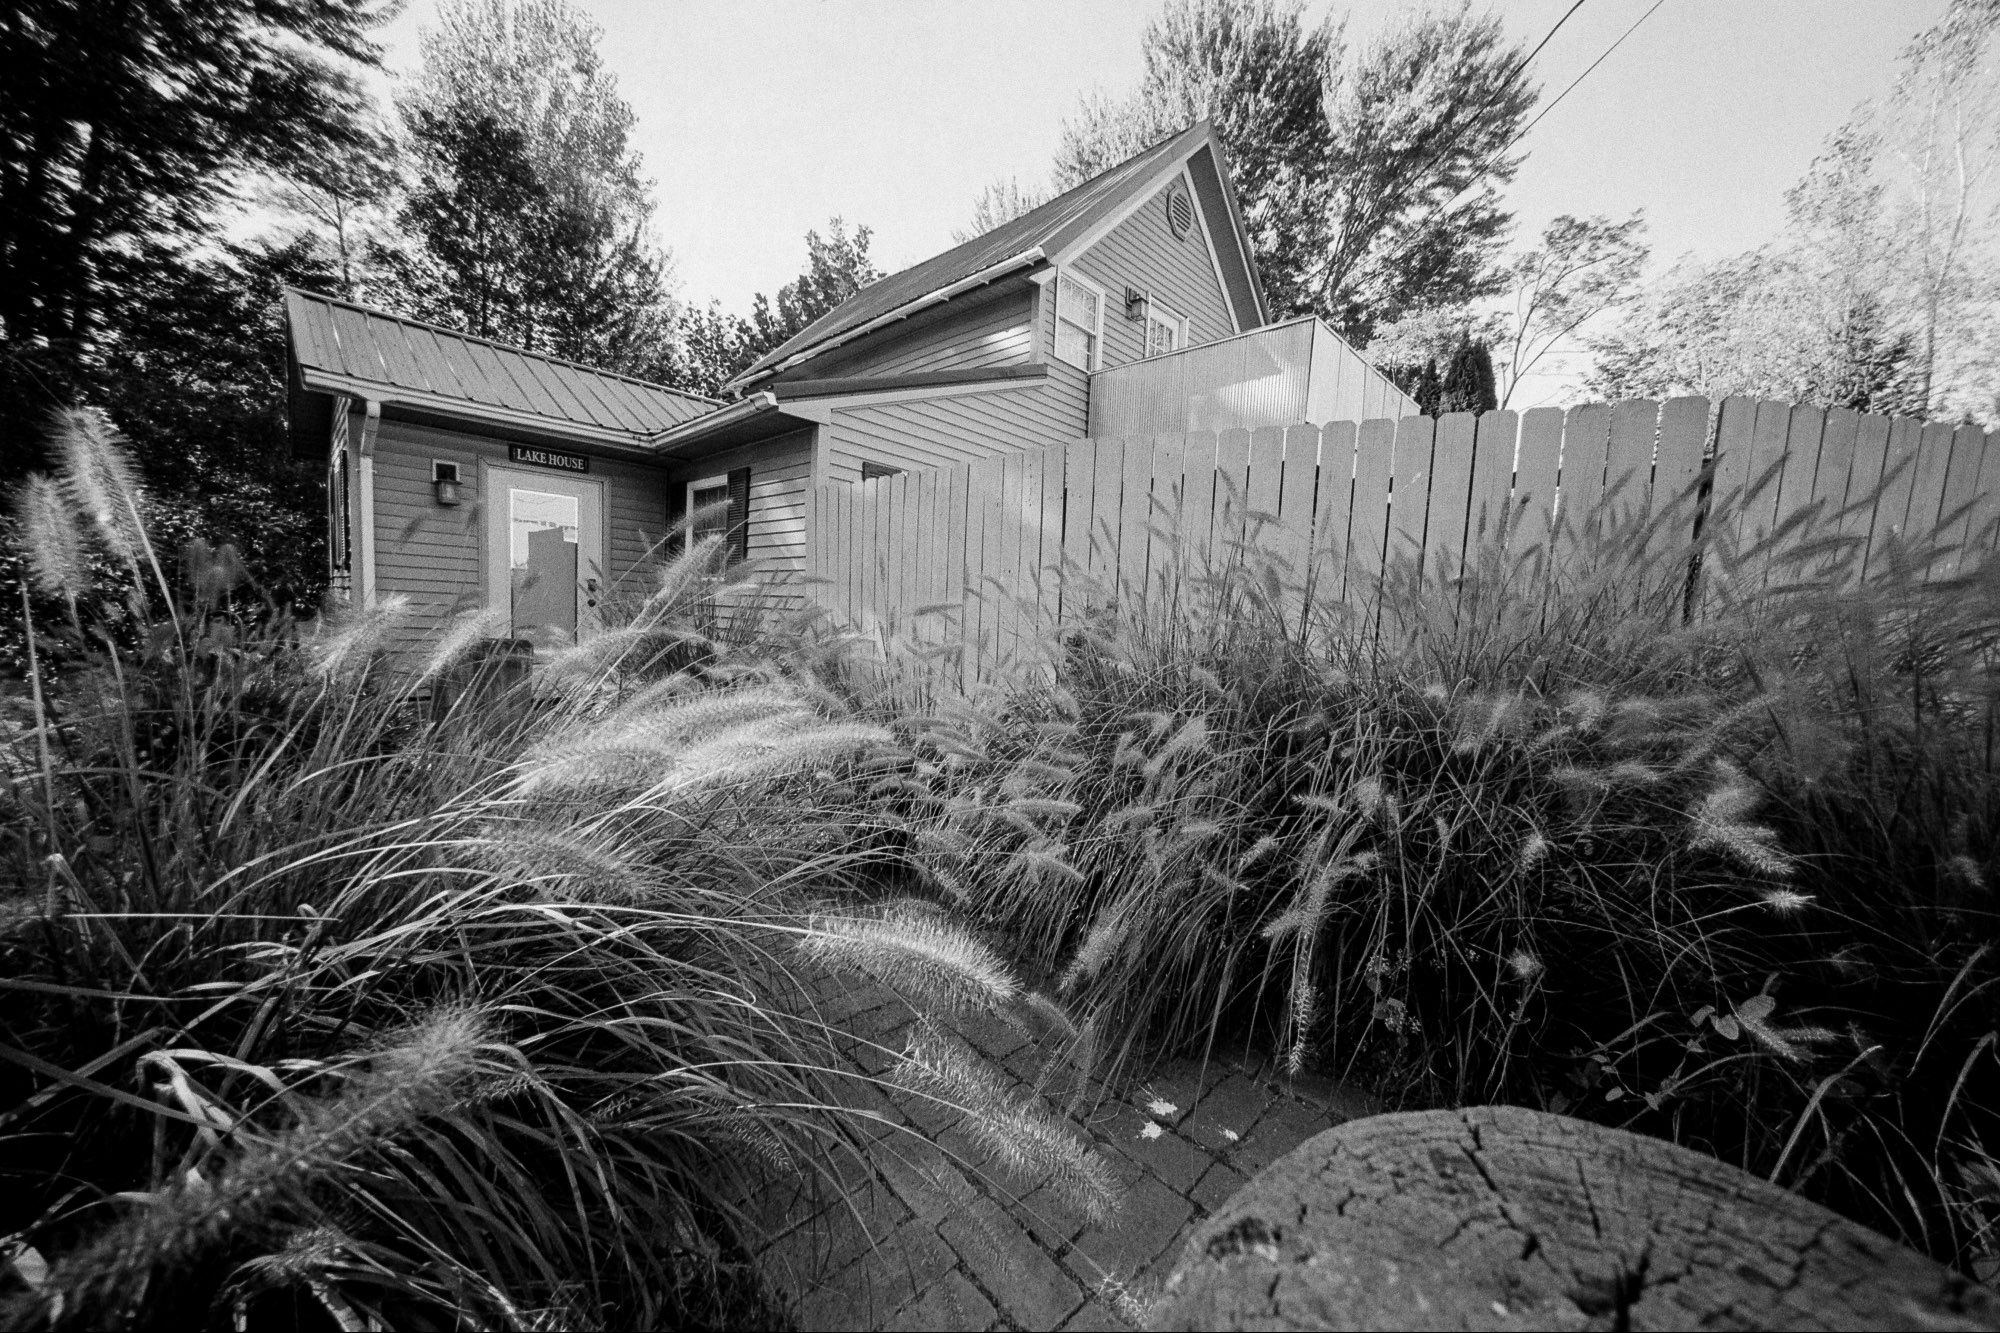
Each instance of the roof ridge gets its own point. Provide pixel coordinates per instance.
(1043, 221)
(380, 312)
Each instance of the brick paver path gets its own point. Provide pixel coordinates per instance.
(945, 1238)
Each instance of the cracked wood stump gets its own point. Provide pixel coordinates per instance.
(1498, 1217)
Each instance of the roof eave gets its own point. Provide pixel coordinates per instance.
(321, 381)
(992, 273)
(1240, 232)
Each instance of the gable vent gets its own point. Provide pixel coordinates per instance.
(1180, 214)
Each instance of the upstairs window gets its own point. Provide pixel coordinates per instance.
(1165, 330)
(1079, 321)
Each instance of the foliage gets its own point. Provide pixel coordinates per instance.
(344, 982)
(1368, 185)
(122, 126)
(1001, 202)
(1255, 68)
(1524, 832)
(1876, 293)
(714, 348)
(1583, 268)
(529, 216)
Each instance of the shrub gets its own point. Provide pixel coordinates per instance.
(1708, 859)
(331, 995)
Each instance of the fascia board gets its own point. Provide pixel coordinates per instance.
(835, 402)
(392, 395)
(991, 273)
(1069, 250)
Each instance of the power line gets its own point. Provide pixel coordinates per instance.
(1491, 98)
(1581, 77)
(1501, 152)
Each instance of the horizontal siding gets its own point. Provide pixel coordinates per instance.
(970, 333)
(780, 477)
(433, 555)
(1141, 252)
(937, 432)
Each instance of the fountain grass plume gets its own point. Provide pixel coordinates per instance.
(53, 544)
(1017, 1130)
(915, 950)
(262, 1182)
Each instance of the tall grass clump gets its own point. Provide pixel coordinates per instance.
(344, 979)
(1691, 837)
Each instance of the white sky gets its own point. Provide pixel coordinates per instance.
(761, 118)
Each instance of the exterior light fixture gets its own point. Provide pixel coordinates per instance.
(444, 481)
(1136, 302)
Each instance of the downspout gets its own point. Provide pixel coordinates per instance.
(364, 473)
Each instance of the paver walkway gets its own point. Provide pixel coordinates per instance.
(947, 1238)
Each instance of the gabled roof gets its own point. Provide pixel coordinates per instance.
(1045, 233)
(340, 347)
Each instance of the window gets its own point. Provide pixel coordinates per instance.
(1079, 321)
(1165, 331)
(708, 508)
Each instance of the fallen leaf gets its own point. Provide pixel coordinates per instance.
(1151, 1131)
(1232, 1136)
(1160, 1108)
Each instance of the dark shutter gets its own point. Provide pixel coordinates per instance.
(739, 514)
(677, 507)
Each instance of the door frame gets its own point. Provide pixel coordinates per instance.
(490, 486)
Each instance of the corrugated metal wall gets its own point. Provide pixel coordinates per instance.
(1276, 376)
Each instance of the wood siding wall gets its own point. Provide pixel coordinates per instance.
(1002, 542)
(972, 332)
(780, 480)
(1141, 252)
(930, 432)
(433, 555)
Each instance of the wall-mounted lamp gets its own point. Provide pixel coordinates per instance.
(444, 481)
(1135, 303)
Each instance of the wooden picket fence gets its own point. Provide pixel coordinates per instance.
(967, 554)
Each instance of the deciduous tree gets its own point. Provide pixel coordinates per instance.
(531, 218)
(1369, 183)
(123, 123)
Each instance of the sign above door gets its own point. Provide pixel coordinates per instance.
(551, 458)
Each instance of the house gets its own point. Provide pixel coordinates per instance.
(1128, 304)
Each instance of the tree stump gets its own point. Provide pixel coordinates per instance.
(1497, 1217)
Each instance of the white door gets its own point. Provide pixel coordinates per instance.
(545, 554)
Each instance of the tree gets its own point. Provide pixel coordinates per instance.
(1940, 128)
(1411, 350)
(1001, 202)
(1582, 269)
(531, 220)
(713, 348)
(123, 123)
(1368, 184)
(342, 198)
(1255, 68)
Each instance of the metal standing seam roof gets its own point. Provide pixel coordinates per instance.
(1057, 223)
(377, 347)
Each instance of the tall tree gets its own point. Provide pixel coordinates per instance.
(1001, 202)
(122, 124)
(1369, 184)
(713, 347)
(1583, 268)
(1256, 68)
(531, 218)
(1940, 129)
(1421, 127)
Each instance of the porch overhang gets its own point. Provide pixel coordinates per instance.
(759, 417)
